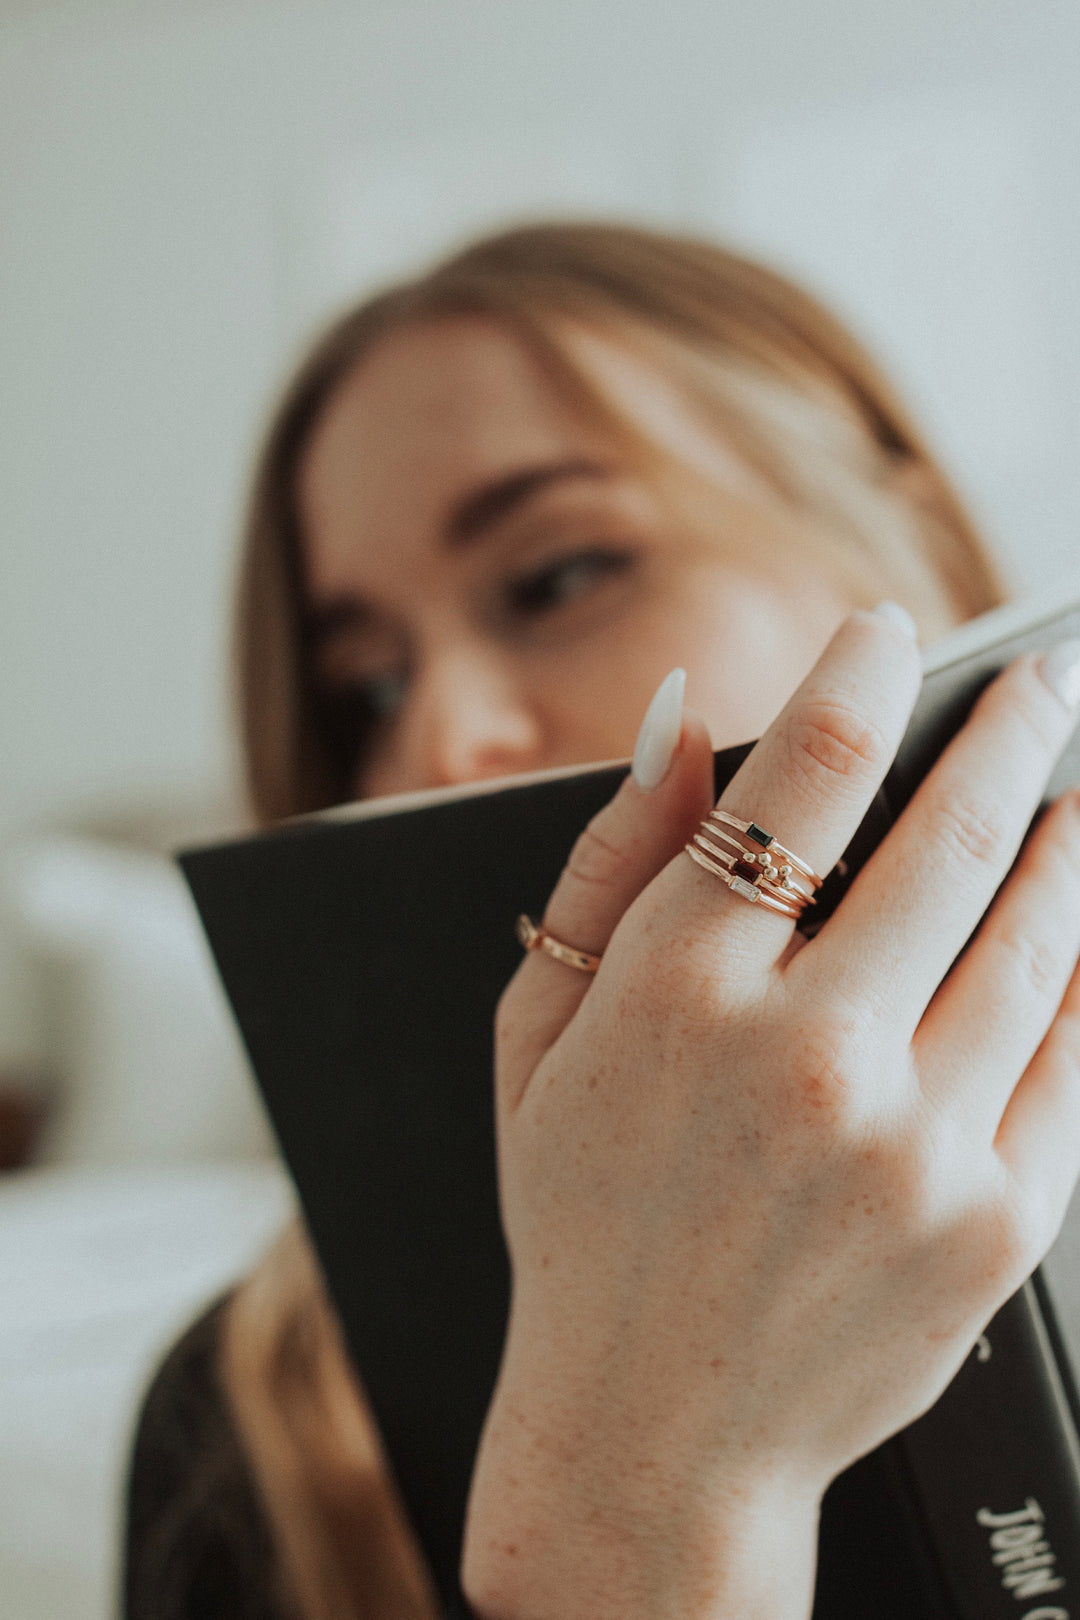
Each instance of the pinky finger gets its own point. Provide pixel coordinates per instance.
(1039, 1136)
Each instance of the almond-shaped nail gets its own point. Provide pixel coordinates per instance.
(899, 616)
(660, 730)
(1059, 667)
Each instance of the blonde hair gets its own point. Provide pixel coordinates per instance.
(784, 383)
(810, 415)
(344, 1547)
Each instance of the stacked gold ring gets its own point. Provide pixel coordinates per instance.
(754, 864)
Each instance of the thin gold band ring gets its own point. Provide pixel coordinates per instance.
(538, 939)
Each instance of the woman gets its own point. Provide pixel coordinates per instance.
(757, 1207)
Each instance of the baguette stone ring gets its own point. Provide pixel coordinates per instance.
(754, 864)
(538, 939)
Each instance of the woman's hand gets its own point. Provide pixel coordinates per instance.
(761, 1195)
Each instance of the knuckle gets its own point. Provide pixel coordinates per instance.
(969, 831)
(1014, 1232)
(829, 740)
(596, 860)
(1032, 964)
(1019, 707)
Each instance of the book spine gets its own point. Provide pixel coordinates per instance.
(994, 1468)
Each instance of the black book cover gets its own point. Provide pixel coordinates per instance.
(363, 952)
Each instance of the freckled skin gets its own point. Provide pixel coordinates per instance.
(774, 1231)
(754, 1226)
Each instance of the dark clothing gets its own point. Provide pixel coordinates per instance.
(198, 1546)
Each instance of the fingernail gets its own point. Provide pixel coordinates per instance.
(899, 616)
(659, 734)
(1059, 667)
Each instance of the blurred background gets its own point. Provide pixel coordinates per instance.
(186, 192)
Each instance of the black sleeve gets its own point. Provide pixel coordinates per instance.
(197, 1544)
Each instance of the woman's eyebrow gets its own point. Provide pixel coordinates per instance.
(469, 519)
(476, 512)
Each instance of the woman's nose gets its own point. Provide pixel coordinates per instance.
(472, 721)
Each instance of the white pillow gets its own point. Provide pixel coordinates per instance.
(138, 1027)
(101, 1267)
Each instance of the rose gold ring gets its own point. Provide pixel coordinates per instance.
(765, 847)
(768, 869)
(538, 939)
(753, 864)
(750, 888)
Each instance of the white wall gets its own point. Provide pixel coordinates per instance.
(183, 194)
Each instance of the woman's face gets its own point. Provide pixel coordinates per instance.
(494, 588)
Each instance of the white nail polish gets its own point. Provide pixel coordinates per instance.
(1059, 667)
(899, 616)
(659, 734)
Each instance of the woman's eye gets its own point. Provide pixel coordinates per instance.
(384, 694)
(352, 710)
(562, 581)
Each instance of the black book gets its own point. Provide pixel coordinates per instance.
(363, 951)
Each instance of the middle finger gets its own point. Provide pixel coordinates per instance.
(809, 781)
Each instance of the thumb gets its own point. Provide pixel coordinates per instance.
(656, 810)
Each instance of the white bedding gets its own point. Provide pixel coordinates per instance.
(100, 1268)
